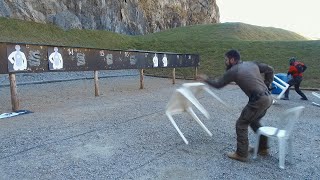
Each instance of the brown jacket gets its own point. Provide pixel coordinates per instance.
(247, 75)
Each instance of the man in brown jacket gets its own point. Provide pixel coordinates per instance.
(247, 75)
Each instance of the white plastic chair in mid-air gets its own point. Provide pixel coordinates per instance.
(183, 99)
(283, 135)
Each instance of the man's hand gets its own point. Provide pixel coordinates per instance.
(202, 77)
(269, 86)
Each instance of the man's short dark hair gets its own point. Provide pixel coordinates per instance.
(233, 54)
(292, 60)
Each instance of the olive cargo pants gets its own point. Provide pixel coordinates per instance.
(251, 115)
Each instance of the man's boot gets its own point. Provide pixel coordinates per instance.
(262, 152)
(235, 156)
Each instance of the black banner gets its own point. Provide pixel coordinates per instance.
(16, 58)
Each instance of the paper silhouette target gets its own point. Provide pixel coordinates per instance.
(155, 60)
(55, 60)
(17, 59)
(165, 60)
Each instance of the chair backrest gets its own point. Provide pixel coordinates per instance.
(291, 116)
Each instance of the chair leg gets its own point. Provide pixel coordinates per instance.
(256, 148)
(195, 117)
(177, 128)
(282, 152)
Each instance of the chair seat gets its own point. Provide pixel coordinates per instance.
(272, 131)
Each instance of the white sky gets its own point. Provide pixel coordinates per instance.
(300, 16)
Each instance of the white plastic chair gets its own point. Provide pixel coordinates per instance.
(318, 96)
(282, 85)
(283, 135)
(182, 101)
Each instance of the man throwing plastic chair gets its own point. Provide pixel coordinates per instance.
(247, 75)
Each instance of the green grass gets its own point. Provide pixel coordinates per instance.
(265, 44)
(18, 31)
(226, 32)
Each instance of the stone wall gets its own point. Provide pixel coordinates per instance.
(122, 16)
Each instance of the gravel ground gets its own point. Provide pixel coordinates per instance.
(124, 133)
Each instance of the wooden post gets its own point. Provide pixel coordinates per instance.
(174, 76)
(14, 92)
(196, 73)
(141, 79)
(96, 84)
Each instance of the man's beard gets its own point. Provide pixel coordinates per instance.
(228, 67)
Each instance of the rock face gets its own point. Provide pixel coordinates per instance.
(122, 16)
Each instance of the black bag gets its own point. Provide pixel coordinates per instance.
(300, 67)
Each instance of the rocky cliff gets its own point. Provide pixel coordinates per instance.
(122, 16)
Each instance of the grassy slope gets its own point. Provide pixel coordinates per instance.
(271, 45)
(265, 44)
(35, 33)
